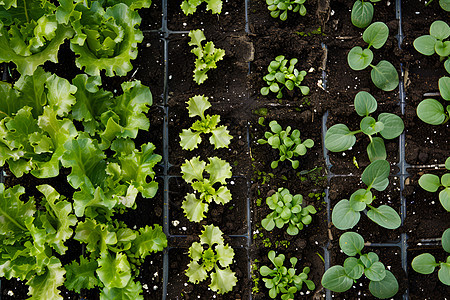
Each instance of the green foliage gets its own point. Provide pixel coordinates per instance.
(426, 263)
(435, 42)
(283, 281)
(190, 6)
(280, 8)
(196, 204)
(207, 56)
(339, 137)
(384, 75)
(190, 138)
(288, 144)
(346, 213)
(432, 183)
(212, 257)
(281, 75)
(287, 209)
(431, 111)
(383, 283)
(362, 13)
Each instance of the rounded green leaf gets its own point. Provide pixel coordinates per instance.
(440, 30)
(445, 4)
(444, 198)
(339, 138)
(265, 270)
(425, 44)
(376, 175)
(431, 112)
(445, 180)
(370, 126)
(268, 223)
(376, 34)
(447, 163)
(444, 273)
(446, 240)
(365, 103)
(384, 76)
(304, 90)
(359, 199)
(274, 87)
(442, 48)
(393, 125)
(385, 288)
(444, 87)
(336, 279)
(385, 216)
(359, 59)
(343, 216)
(289, 84)
(430, 182)
(265, 91)
(351, 243)
(376, 149)
(362, 14)
(309, 143)
(353, 268)
(424, 263)
(300, 149)
(375, 272)
(447, 65)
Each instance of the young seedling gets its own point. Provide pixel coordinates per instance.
(435, 42)
(445, 4)
(383, 283)
(346, 213)
(288, 144)
(190, 138)
(212, 256)
(284, 281)
(207, 56)
(196, 205)
(280, 8)
(190, 6)
(426, 263)
(431, 183)
(431, 111)
(383, 75)
(287, 209)
(362, 13)
(280, 76)
(339, 137)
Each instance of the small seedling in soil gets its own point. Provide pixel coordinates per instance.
(339, 137)
(384, 75)
(432, 183)
(435, 42)
(346, 213)
(190, 138)
(287, 209)
(281, 75)
(280, 8)
(283, 281)
(289, 144)
(212, 256)
(445, 4)
(426, 263)
(432, 111)
(196, 204)
(207, 56)
(190, 6)
(383, 283)
(362, 13)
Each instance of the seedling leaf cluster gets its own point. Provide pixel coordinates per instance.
(432, 183)
(280, 8)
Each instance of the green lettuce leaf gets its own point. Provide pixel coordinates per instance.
(114, 272)
(132, 291)
(81, 275)
(45, 286)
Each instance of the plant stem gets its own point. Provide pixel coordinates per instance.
(25, 9)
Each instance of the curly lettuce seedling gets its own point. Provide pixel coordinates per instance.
(339, 137)
(432, 183)
(284, 281)
(383, 283)
(288, 144)
(435, 42)
(212, 256)
(190, 138)
(287, 209)
(280, 8)
(362, 13)
(196, 205)
(346, 213)
(384, 75)
(190, 6)
(281, 74)
(431, 111)
(426, 263)
(207, 56)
